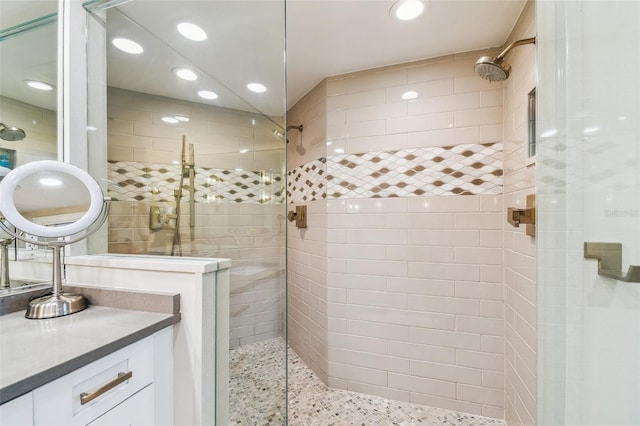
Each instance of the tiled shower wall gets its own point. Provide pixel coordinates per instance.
(409, 268)
(239, 211)
(519, 248)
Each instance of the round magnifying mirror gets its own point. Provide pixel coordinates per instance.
(50, 199)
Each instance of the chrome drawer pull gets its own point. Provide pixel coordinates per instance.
(88, 397)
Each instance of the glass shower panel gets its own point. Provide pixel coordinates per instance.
(588, 191)
(195, 167)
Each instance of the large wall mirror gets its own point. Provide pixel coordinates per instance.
(187, 111)
(28, 93)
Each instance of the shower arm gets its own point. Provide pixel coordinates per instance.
(515, 44)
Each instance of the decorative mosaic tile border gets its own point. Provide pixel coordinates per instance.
(307, 182)
(470, 169)
(132, 181)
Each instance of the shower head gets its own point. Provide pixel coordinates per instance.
(298, 128)
(11, 134)
(494, 68)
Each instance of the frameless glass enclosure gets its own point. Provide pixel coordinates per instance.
(194, 101)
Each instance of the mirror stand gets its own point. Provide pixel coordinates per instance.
(4, 262)
(58, 303)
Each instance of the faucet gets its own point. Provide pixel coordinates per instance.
(4, 265)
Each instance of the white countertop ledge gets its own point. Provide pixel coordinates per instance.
(152, 263)
(35, 352)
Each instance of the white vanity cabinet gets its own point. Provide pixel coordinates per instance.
(17, 412)
(131, 386)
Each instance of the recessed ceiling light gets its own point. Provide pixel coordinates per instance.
(192, 31)
(185, 74)
(257, 87)
(406, 10)
(171, 120)
(181, 118)
(207, 94)
(127, 45)
(409, 95)
(39, 85)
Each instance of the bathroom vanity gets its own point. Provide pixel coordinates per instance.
(100, 366)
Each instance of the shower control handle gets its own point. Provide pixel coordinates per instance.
(300, 216)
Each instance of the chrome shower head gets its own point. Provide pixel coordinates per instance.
(495, 68)
(11, 134)
(492, 68)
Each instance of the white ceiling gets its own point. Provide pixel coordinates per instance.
(332, 37)
(324, 38)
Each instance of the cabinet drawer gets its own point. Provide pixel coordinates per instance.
(82, 396)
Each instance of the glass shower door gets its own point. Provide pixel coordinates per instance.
(588, 192)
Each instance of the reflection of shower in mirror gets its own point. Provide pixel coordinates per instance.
(187, 169)
(11, 134)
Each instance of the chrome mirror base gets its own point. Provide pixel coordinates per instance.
(55, 305)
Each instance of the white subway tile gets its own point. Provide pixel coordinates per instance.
(378, 330)
(446, 403)
(419, 253)
(478, 117)
(443, 271)
(491, 133)
(485, 361)
(480, 395)
(376, 112)
(491, 98)
(420, 123)
(423, 352)
(451, 373)
(359, 374)
(377, 205)
(492, 309)
(494, 274)
(420, 286)
(335, 86)
(479, 221)
(420, 319)
(376, 143)
(479, 325)
(375, 298)
(422, 385)
(446, 137)
(491, 239)
(354, 100)
(493, 344)
(356, 251)
(439, 104)
(446, 305)
(374, 79)
(444, 204)
(473, 84)
(435, 87)
(467, 238)
(382, 268)
(386, 236)
(384, 392)
(354, 281)
(358, 343)
(493, 379)
(479, 255)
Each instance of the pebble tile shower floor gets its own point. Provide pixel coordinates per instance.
(256, 396)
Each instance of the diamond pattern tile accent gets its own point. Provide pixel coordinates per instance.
(131, 181)
(307, 182)
(470, 169)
